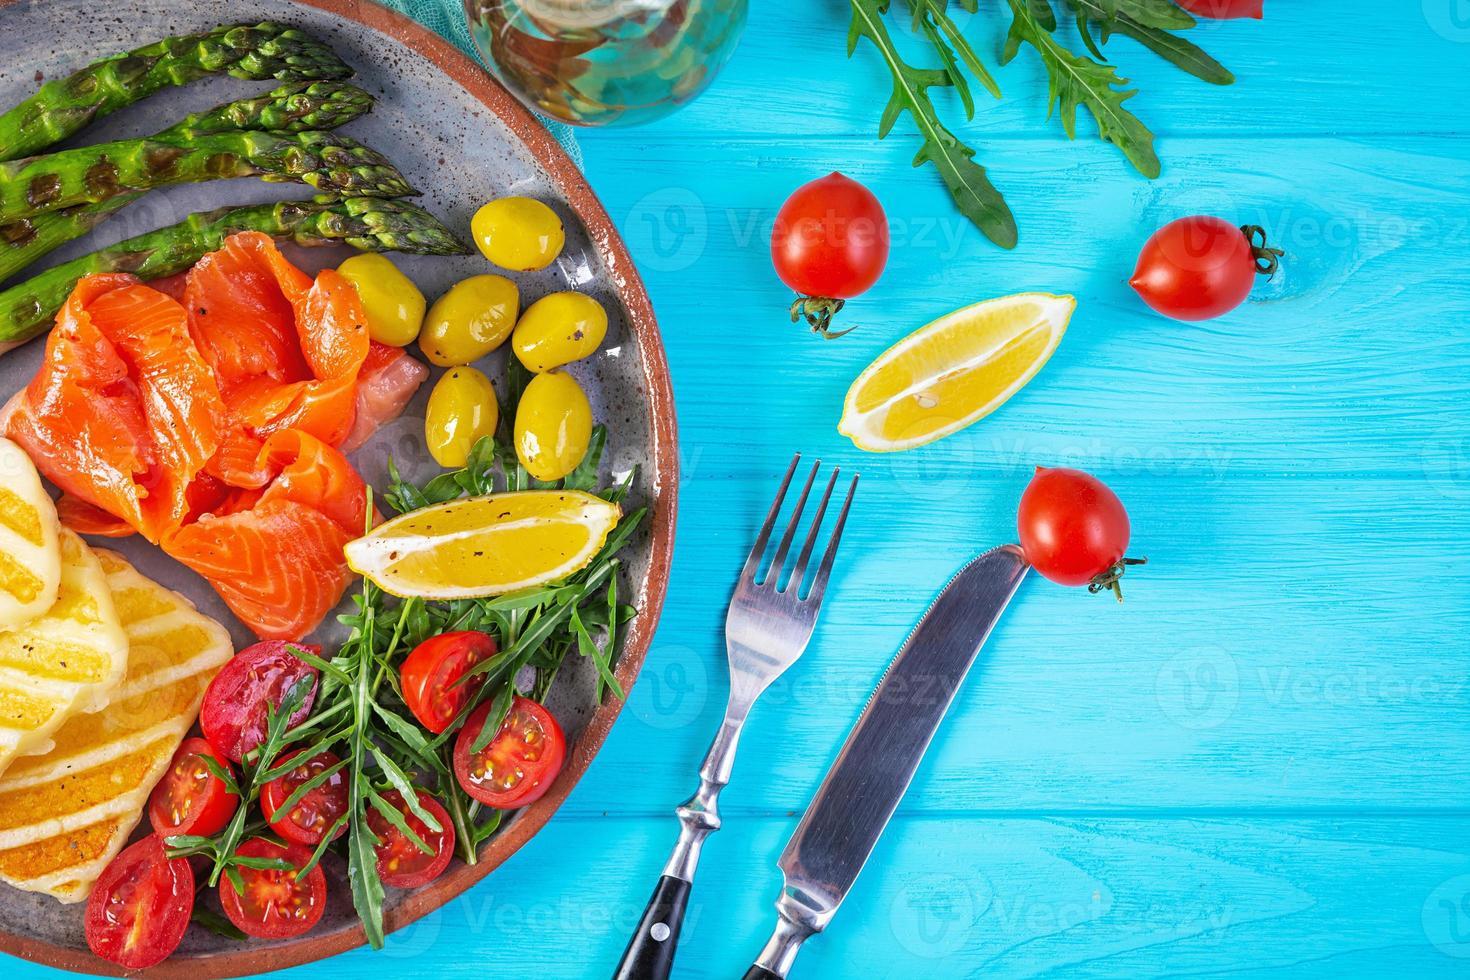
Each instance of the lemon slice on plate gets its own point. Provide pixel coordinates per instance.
(483, 546)
(953, 372)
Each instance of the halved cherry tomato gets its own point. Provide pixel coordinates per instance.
(234, 714)
(521, 761)
(401, 863)
(139, 910)
(190, 799)
(322, 806)
(431, 676)
(275, 904)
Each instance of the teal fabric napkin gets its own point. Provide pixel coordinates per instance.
(446, 18)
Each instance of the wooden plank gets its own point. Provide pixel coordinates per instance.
(1006, 898)
(1361, 339)
(1352, 72)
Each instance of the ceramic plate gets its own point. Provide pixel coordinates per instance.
(461, 140)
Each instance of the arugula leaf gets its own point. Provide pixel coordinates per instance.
(971, 189)
(1178, 51)
(1074, 81)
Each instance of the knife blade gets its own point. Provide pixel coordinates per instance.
(877, 762)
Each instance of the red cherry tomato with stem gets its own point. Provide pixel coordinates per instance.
(829, 243)
(401, 862)
(234, 714)
(431, 676)
(1200, 267)
(1224, 9)
(319, 810)
(191, 799)
(1074, 530)
(140, 907)
(274, 903)
(519, 763)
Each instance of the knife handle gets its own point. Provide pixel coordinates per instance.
(758, 972)
(650, 953)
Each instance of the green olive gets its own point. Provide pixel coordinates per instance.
(553, 426)
(469, 321)
(462, 409)
(559, 329)
(518, 233)
(394, 305)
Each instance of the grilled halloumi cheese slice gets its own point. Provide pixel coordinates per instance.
(66, 814)
(66, 660)
(30, 552)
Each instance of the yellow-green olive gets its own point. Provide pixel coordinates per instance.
(518, 233)
(553, 426)
(394, 305)
(559, 329)
(469, 321)
(462, 408)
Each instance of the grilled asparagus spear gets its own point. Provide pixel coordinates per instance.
(368, 224)
(92, 174)
(63, 106)
(294, 107)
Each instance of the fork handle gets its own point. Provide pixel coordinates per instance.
(650, 953)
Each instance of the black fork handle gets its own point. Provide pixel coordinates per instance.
(650, 953)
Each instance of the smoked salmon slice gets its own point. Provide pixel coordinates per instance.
(207, 418)
(286, 349)
(123, 413)
(276, 556)
(387, 382)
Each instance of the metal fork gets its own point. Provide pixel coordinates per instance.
(769, 624)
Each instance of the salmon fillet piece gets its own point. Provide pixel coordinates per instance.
(123, 413)
(274, 552)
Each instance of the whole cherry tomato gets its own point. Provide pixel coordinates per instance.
(1224, 9)
(1074, 530)
(234, 714)
(1200, 267)
(432, 675)
(139, 909)
(274, 903)
(830, 243)
(519, 763)
(190, 798)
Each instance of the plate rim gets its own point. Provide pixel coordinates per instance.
(579, 196)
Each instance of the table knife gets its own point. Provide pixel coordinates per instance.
(862, 789)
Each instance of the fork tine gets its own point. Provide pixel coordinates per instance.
(773, 574)
(753, 562)
(819, 584)
(799, 572)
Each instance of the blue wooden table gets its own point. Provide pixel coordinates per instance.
(1260, 765)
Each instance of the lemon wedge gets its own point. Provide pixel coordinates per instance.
(483, 546)
(954, 371)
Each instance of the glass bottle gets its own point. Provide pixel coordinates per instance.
(605, 62)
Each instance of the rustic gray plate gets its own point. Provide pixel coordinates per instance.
(461, 140)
